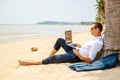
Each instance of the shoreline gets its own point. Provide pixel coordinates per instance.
(34, 37)
(18, 32)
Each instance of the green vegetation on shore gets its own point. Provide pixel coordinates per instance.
(64, 23)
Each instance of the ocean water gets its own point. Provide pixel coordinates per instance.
(17, 32)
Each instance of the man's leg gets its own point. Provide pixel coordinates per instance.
(53, 52)
(61, 58)
(52, 59)
(60, 43)
(27, 63)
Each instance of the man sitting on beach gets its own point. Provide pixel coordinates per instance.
(85, 53)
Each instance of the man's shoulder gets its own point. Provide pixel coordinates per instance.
(98, 42)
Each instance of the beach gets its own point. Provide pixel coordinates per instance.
(10, 52)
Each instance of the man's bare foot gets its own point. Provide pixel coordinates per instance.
(23, 63)
(27, 63)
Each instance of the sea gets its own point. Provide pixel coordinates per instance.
(13, 32)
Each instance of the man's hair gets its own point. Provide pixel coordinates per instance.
(99, 25)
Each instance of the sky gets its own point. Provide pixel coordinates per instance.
(33, 11)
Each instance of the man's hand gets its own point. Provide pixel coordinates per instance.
(75, 51)
(77, 45)
(85, 58)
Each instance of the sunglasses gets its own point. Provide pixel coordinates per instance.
(94, 28)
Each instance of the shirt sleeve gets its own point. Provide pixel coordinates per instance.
(94, 50)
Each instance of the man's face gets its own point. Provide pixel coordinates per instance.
(94, 30)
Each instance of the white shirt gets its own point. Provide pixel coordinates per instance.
(92, 47)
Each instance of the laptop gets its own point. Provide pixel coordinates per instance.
(68, 38)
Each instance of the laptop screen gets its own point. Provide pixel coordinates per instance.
(68, 36)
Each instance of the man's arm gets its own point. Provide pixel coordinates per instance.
(85, 58)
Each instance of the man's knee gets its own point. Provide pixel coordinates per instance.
(60, 40)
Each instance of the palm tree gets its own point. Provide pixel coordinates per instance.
(100, 11)
(112, 29)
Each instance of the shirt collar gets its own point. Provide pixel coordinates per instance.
(97, 37)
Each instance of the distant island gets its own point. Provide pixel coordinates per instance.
(64, 23)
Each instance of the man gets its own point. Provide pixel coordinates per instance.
(85, 53)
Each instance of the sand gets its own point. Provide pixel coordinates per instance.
(10, 52)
